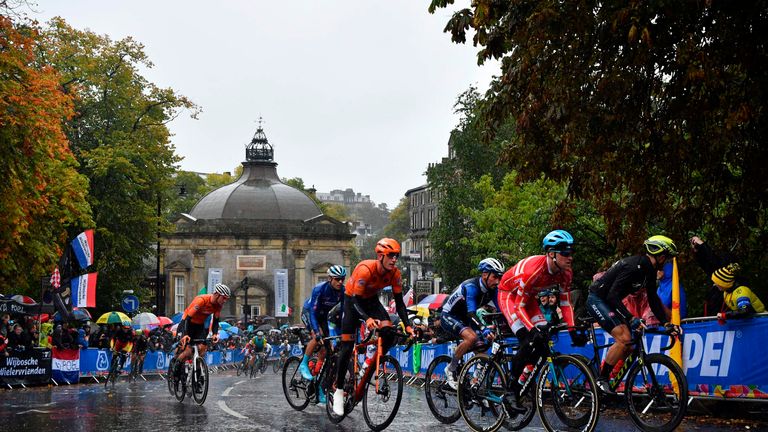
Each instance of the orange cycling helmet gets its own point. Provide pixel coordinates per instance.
(387, 246)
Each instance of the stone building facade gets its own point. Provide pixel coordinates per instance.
(243, 232)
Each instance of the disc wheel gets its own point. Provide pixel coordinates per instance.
(294, 386)
(200, 381)
(566, 396)
(441, 398)
(656, 393)
(482, 387)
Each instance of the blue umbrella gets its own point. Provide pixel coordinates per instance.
(177, 318)
(77, 315)
(223, 335)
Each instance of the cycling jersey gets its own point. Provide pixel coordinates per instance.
(322, 300)
(520, 285)
(202, 306)
(366, 281)
(741, 298)
(258, 344)
(140, 345)
(464, 301)
(625, 277)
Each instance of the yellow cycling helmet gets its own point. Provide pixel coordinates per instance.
(659, 244)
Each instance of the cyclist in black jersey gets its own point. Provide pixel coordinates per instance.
(625, 277)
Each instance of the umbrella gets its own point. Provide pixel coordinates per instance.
(174, 328)
(264, 327)
(274, 331)
(114, 317)
(77, 315)
(284, 326)
(164, 321)
(432, 301)
(177, 317)
(223, 334)
(267, 318)
(145, 320)
(22, 299)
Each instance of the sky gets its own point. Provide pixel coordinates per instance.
(353, 94)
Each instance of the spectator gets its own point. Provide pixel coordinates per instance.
(45, 331)
(82, 337)
(5, 325)
(738, 300)
(34, 335)
(665, 292)
(3, 345)
(19, 340)
(548, 305)
(709, 261)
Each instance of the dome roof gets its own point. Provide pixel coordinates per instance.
(257, 194)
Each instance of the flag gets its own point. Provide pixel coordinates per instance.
(56, 279)
(676, 351)
(84, 290)
(65, 365)
(83, 247)
(407, 299)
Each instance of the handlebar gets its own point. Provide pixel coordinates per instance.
(666, 331)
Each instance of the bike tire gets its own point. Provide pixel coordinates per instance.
(350, 382)
(171, 379)
(522, 420)
(376, 415)
(480, 400)
(200, 381)
(253, 368)
(658, 407)
(441, 398)
(294, 386)
(263, 365)
(241, 367)
(180, 386)
(567, 397)
(276, 366)
(111, 374)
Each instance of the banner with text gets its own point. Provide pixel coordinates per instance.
(66, 365)
(28, 368)
(281, 292)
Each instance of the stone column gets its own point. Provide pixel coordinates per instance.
(347, 256)
(198, 278)
(297, 294)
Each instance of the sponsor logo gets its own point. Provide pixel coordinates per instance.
(102, 361)
(160, 360)
(709, 352)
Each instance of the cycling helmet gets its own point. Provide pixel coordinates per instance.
(491, 265)
(337, 271)
(659, 244)
(387, 246)
(545, 293)
(222, 290)
(259, 333)
(558, 240)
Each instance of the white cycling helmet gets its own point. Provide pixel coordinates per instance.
(222, 290)
(491, 265)
(337, 271)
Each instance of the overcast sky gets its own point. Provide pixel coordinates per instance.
(353, 93)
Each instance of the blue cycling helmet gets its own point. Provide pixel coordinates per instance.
(558, 240)
(337, 271)
(491, 265)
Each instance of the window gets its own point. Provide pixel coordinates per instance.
(179, 303)
(255, 310)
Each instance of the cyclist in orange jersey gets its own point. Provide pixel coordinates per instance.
(362, 304)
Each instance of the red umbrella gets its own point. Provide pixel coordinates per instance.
(432, 301)
(22, 299)
(163, 321)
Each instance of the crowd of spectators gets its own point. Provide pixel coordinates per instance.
(17, 334)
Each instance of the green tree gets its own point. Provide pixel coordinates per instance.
(119, 136)
(399, 222)
(42, 194)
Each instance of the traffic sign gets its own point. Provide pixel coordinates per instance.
(130, 303)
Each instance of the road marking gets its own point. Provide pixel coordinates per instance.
(228, 410)
(239, 382)
(226, 392)
(33, 411)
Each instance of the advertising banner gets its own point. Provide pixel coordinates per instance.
(65, 366)
(29, 367)
(281, 293)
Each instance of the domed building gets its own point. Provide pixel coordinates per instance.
(269, 242)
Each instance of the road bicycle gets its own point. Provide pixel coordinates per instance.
(115, 365)
(260, 365)
(655, 388)
(244, 367)
(279, 362)
(561, 388)
(137, 366)
(381, 398)
(194, 377)
(299, 392)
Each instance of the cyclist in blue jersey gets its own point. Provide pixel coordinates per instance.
(459, 316)
(314, 314)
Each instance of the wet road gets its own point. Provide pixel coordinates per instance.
(234, 403)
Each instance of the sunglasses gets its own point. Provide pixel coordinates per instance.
(566, 253)
(393, 255)
(337, 279)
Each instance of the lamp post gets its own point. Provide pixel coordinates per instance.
(159, 286)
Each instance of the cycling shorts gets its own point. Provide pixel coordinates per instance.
(453, 324)
(371, 306)
(603, 313)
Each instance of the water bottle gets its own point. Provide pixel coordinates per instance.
(495, 347)
(527, 370)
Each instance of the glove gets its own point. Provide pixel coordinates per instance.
(636, 323)
(674, 329)
(721, 318)
(371, 324)
(577, 339)
(487, 333)
(409, 330)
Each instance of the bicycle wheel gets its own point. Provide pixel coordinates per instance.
(254, 367)
(482, 387)
(380, 403)
(566, 396)
(241, 366)
(657, 393)
(112, 375)
(171, 387)
(441, 398)
(180, 385)
(200, 381)
(349, 391)
(263, 365)
(521, 420)
(294, 386)
(276, 366)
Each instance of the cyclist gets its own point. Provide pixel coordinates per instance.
(324, 297)
(362, 304)
(258, 346)
(625, 277)
(459, 316)
(139, 351)
(518, 303)
(122, 342)
(192, 321)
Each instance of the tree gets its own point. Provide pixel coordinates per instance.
(41, 194)
(653, 111)
(399, 222)
(119, 136)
